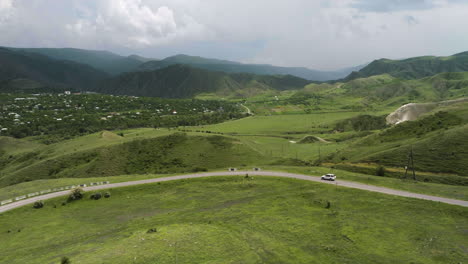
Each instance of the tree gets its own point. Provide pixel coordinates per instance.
(65, 260)
(38, 204)
(380, 171)
(96, 196)
(76, 194)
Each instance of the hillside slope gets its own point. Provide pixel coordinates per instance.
(384, 90)
(25, 65)
(174, 153)
(180, 81)
(414, 68)
(438, 140)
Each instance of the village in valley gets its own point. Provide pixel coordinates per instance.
(69, 114)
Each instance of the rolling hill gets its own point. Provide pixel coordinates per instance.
(180, 81)
(236, 67)
(384, 91)
(47, 71)
(177, 152)
(414, 68)
(438, 140)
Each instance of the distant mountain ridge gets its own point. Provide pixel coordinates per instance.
(114, 64)
(184, 76)
(182, 81)
(27, 65)
(236, 67)
(413, 68)
(102, 60)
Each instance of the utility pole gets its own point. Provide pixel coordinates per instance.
(410, 163)
(319, 154)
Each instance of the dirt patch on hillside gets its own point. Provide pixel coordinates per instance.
(412, 111)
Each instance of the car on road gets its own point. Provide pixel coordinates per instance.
(329, 177)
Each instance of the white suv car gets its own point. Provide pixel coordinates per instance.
(329, 177)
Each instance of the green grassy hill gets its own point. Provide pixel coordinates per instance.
(438, 140)
(414, 68)
(379, 92)
(393, 90)
(234, 220)
(167, 154)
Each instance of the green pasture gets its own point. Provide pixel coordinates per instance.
(281, 124)
(236, 220)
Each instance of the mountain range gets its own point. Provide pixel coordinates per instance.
(185, 76)
(33, 66)
(236, 67)
(105, 61)
(181, 81)
(114, 64)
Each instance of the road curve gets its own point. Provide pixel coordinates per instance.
(248, 109)
(341, 183)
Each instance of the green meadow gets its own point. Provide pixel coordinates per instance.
(236, 220)
(282, 124)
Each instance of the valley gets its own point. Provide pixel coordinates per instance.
(143, 121)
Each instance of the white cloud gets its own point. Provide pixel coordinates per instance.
(134, 23)
(5, 9)
(320, 34)
(5, 4)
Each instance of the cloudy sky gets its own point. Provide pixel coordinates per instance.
(319, 34)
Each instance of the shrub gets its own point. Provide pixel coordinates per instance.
(96, 196)
(38, 204)
(199, 169)
(65, 260)
(152, 230)
(76, 194)
(380, 171)
(107, 195)
(328, 205)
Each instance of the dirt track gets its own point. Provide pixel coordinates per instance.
(341, 183)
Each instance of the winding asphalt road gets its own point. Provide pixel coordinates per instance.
(342, 183)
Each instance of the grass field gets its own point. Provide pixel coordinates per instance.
(281, 124)
(233, 220)
(277, 147)
(177, 152)
(266, 139)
